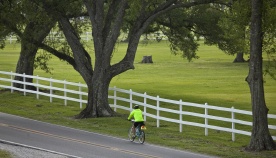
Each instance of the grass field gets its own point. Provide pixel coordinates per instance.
(212, 79)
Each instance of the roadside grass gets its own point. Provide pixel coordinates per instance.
(5, 154)
(212, 79)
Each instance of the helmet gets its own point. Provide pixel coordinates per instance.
(136, 107)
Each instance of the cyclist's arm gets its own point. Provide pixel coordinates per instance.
(130, 115)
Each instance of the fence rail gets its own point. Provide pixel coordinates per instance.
(85, 36)
(153, 107)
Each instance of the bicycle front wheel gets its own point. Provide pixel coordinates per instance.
(130, 135)
(142, 137)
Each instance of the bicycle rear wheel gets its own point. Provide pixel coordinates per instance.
(130, 135)
(142, 137)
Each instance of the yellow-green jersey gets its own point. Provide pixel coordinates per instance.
(137, 114)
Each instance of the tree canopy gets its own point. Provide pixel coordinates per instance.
(234, 27)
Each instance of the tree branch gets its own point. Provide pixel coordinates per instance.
(114, 32)
(58, 54)
(84, 65)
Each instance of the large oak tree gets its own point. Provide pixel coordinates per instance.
(107, 20)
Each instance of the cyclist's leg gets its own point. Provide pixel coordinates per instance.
(135, 124)
(140, 125)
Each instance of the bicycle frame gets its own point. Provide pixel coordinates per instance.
(140, 134)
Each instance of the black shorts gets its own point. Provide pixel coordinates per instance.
(138, 124)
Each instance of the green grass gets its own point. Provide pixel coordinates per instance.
(5, 154)
(212, 79)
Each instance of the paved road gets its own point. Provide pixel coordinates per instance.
(78, 143)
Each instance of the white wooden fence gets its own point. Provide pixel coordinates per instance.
(86, 36)
(153, 107)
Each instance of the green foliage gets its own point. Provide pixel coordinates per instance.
(269, 46)
(41, 61)
(8, 13)
(184, 26)
(3, 34)
(234, 33)
(177, 27)
(235, 26)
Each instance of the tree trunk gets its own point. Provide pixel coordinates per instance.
(33, 35)
(239, 58)
(97, 105)
(25, 63)
(260, 137)
(147, 59)
(97, 80)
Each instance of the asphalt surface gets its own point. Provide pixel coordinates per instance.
(78, 143)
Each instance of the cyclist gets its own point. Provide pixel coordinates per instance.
(137, 114)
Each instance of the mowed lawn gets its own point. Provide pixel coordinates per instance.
(212, 79)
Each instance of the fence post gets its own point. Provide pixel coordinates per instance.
(157, 112)
(206, 119)
(11, 82)
(37, 87)
(115, 99)
(10, 39)
(65, 93)
(180, 115)
(145, 108)
(80, 95)
(24, 85)
(130, 98)
(51, 90)
(233, 123)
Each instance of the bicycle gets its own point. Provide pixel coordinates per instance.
(139, 133)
